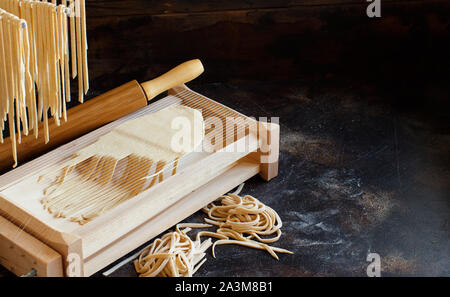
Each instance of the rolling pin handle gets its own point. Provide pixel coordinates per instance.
(181, 74)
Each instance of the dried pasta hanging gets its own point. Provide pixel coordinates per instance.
(78, 42)
(16, 86)
(43, 64)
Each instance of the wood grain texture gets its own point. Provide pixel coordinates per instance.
(269, 151)
(61, 242)
(179, 75)
(82, 119)
(21, 252)
(266, 40)
(154, 7)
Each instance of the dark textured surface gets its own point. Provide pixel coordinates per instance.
(357, 175)
(266, 39)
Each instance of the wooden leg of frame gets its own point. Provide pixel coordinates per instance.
(21, 252)
(269, 170)
(269, 135)
(70, 248)
(67, 245)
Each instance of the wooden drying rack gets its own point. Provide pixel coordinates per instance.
(30, 238)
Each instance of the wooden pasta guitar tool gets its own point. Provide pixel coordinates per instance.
(234, 148)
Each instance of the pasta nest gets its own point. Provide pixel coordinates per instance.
(173, 255)
(243, 221)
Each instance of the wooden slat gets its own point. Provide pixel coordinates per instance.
(20, 252)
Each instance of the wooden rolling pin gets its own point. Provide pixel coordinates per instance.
(97, 112)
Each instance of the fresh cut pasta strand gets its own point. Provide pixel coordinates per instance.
(240, 220)
(243, 221)
(173, 255)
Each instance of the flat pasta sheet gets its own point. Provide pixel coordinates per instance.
(132, 158)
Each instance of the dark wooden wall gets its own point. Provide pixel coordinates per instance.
(267, 39)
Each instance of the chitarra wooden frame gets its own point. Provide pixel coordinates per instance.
(30, 239)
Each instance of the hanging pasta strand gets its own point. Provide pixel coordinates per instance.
(16, 83)
(65, 45)
(31, 61)
(79, 45)
(73, 42)
(79, 51)
(39, 63)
